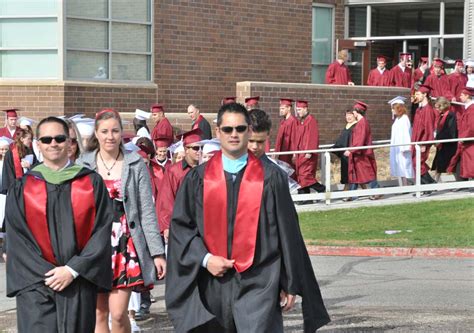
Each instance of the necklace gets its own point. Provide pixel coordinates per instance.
(105, 165)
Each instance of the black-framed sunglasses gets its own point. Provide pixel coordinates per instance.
(230, 129)
(195, 148)
(48, 139)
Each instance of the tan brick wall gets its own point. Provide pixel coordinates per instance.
(34, 101)
(328, 104)
(203, 47)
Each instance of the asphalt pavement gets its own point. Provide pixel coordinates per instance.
(362, 294)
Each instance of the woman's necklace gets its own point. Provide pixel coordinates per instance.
(105, 165)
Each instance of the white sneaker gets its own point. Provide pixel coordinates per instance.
(134, 326)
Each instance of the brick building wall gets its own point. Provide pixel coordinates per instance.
(203, 47)
(328, 104)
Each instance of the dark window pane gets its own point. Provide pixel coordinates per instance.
(453, 48)
(406, 19)
(357, 21)
(454, 18)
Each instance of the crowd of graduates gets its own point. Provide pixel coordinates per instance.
(100, 144)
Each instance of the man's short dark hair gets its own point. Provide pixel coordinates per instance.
(233, 108)
(52, 120)
(260, 121)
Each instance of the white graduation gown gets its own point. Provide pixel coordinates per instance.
(400, 156)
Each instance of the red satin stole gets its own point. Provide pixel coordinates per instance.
(17, 162)
(83, 206)
(247, 215)
(196, 123)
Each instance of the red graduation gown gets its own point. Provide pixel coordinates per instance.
(286, 138)
(362, 164)
(457, 82)
(5, 132)
(465, 151)
(379, 79)
(163, 129)
(338, 74)
(307, 138)
(423, 130)
(400, 78)
(169, 188)
(440, 86)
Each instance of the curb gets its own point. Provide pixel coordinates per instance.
(353, 251)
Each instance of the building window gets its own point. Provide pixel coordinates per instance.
(29, 39)
(454, 18)
(405, 20)
(109, 40)
(357, 21)
(322, 41)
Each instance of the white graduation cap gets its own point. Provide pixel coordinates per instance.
(143, 133)
(5, 141)
(77, 116)
(176, 147)
(24, 121)
(85, 127)
(210, 145)
(142, 115)
(397, 100)
(131, 146)
(469, 63)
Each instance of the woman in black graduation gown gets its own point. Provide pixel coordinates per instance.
(343, 141)
(446, 129)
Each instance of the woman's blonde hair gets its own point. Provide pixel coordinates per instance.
(400, 109)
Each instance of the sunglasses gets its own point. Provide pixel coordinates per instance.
(195, 148)
(230, 129)
(48, 139)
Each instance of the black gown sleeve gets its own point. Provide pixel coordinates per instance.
(8, 173)
(186, 250)
(299, 274)
(94, 261)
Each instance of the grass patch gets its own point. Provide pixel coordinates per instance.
(428, 224)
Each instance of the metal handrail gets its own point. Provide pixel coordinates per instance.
(417, 187)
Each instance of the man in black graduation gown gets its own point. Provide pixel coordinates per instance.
(58, 232)
(236, 257)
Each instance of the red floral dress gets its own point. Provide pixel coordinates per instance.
(125, 264)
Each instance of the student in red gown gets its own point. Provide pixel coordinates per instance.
(379, 76)
(163, 128)
(438, 81)
(400, 75)
(457, 82)
(175, 175)
(286, 136)
(252, 102)
(464, 158)
(423, 130)
(10, 130)
(307, 138)
(338, 72)
(362, 166)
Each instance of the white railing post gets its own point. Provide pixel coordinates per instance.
(327, 180)
(418, 170)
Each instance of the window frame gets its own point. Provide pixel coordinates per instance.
(109, 51)
(333, 32)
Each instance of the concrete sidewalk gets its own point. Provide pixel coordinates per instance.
(391, 199)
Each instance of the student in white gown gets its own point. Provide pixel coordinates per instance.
(400, 156)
